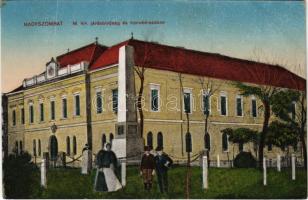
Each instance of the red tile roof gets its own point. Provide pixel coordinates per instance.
(86, 53)
(158, 56)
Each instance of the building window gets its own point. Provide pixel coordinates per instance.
(34, 147)
(223, 104)
(187, 101)
(239, 105)
(16, 147)
(254, 107)
(22, 116)
(14, 117)
(111, 138)
(41, 112)
(39, 148)
(99, 102)
(154, 97)
(207, 141)
(269, 147)
(64, 108)
(20, 146)
(77, 104)
(74, 145)
(115, 100)
(293, 110)
(104, 140)
(150, 140)
(160, 140)
(31, 113)
(68, 146)
(225, 143)
(206, 100)
(52, 110)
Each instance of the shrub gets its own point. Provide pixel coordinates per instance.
(18, 176)
(245, 160)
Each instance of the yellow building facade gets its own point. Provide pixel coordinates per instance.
(77, 106)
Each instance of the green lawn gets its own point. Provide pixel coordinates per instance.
(223, 183)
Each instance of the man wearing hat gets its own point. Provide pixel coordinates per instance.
(162, 163)
(147, 168)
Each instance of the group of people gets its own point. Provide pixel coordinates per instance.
(107, 174)
(152, 162)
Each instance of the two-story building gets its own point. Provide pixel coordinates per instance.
(84, 96)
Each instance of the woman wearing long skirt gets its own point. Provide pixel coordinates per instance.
(106, 179)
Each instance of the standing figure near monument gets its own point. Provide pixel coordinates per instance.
(105, 179)
(86, 163)
(147, 168)
(162, 163)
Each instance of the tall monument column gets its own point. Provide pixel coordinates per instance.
(127, 125)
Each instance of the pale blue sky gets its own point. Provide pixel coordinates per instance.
(275, 30)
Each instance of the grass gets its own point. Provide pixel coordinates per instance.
(223, 183)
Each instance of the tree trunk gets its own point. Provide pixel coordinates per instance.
(264, 131)
(139, 105)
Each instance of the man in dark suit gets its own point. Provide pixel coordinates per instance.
(147, 167)
(162, 163)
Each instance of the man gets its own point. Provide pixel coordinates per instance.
(147, 167)
(105, 179)
(86, 163)
(162, 163)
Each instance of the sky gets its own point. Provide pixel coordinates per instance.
(267, 31)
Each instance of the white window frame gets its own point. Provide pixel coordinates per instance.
(242, 105)
(22, 116)
(188, 90)
(75, 114)
(62, 110)
(41, 102)
(154, 86)
(14, 110)
(203, 92)
(251, 107)
(223, 94)
(52, 99)
(97, 90)
(228, 144)
(31, 104)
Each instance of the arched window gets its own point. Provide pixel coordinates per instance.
(74, 145)
(20, 147)
(207, 141)
(39, 148)
(103, 140)
(34, 147)
(68, 145)
(111, 138)
(53, 144)
(160, 139)
(225, 143)
(150, 139)
(16, 147)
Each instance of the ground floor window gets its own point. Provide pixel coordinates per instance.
(34, 147)
(39, 148)
(74, 145)
(68, 145)
(160, 139)
(225, 143)
(150, 139)
(103, 141)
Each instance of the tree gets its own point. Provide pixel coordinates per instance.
(290, 107)
(281, 135)
(140, 70)
(266, 94)
(241, 136)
